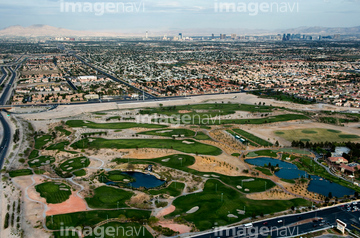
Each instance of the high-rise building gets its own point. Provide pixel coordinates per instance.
(147, 35)
(212, 36)
(233, 36)
(222, 36)
(180, 36)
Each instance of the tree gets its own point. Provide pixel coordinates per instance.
(330, 195)
(277, 143)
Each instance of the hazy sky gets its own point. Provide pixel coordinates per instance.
(182, 14)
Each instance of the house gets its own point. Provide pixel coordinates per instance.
(338, 160)
(349, 168)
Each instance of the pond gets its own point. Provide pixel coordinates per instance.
(144, 180)
(291, 171)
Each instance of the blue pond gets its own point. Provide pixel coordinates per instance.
(144, 180)
(291, 171)
(141, 180)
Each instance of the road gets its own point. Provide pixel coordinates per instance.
(4, 75)
(290, 225)
(4, 145)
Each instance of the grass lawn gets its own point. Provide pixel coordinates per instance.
(41, 141)
(235, 154)
(190, 147)
(59, 146)
(264, 171)
(252, 137)
(109, 197)
(90, 218)
(217, 201)
(119, 125)
(296, 151)
(117, 176)
(63, 131)
(123, 230)
(170, 132)
(317, 135)
(54, 192)
(173, 161)
(74, 164)
(202, 136)
(288, 180)
(174, 189)
(20, 172)
(268, 153)
(41, 160)
(58, 234)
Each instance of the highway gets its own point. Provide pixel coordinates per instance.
(4, 75)
(4, 145)
(290, 225)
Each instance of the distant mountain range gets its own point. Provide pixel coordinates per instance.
(50, 31)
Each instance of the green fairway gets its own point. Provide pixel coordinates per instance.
(217, 201)
(202, 136)
(63, 131)
(80, 173)
(41, 141)
(109, 197)
(252, 137)
(173, 161)
(54, 192)
(317, 135)
(58, 234)
(37, 162)
(59, 146)
(267, 153)
(170, 132)
(74, 164)
(117, 176)
(123, 230)
(187, 146)
(91, 218)
(119, 125)
(174, 189)
(20, 172)
(264, 171)
(33, 154)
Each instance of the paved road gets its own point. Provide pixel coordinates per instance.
(4, 75)
(287, 226)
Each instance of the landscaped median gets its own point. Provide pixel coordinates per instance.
(186, 146)
(118, 125)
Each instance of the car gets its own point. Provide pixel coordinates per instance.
(265, 223)
(299, 217)
(280, 221)
(315, 225)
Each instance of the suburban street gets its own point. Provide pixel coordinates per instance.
(287, 226)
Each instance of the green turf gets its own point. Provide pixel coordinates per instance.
(20, 172)
(217, 200)
(37, 162)
(91, 218)
(75, 164)
(279, 133)
(41, 141)
(264, 171)
(122, 230)
(268, 153)
(170, 132)
(117, 176)
(321, 135)
(80, 173)
(33, 154)
(120, 125)
(202, 136)
(54, 192)
(252, 137)
(194, 147)
(235, 154)
(174, 189)
(63, 234)
(173, 161)
(63, 131)
(288, 180)
(59, 146)
(333, 131)
(109, 197)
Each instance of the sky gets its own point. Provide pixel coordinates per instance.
(156, 15)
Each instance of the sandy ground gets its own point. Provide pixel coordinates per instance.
(175, 227)
(272, 194)
(73, 204)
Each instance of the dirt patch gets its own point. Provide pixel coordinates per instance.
(73, 204)
(166, 211)
(175, 227)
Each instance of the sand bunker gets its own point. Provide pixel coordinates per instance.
(188, 142)
(232, 215)
(238, 187)
(192, 210)
(175, 227)
(164, 131)
(165, 160)
(166, 211)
